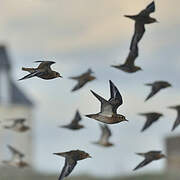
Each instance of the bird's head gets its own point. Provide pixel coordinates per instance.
(84, 155)
(121, 118)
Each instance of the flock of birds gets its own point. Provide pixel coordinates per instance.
(108, 111)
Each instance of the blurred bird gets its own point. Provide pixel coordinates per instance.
(156, 87)
(105, 135)
(83, 79)
(18, 125)
(43, 71)
(71, 158)
(74, 125)
(149, 157)
(108, 113)
(140, 20)
(17, 158)
(151, 118)
(177, 121)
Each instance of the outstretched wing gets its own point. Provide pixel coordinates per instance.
(149, 9)
(44, 64)
(77, 118)
(106, 133)
(138, 34)
(67, 169)
(36, 73)
(154, 90)
(15, 152)
(106, 106)
(116, 98)
(143, 163)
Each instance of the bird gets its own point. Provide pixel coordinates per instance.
(149, 157)
(108, 113)
(105, 135)
(74, 125)
(16, 159)
(43, 71)
(83, 79)
(71, 158)
(177, 121)
(140, 20)
(18, 125)
(156, 87)
(151, 117)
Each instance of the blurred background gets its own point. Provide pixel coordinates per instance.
(78, 35)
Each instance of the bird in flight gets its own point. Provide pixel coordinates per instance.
(140, 20)
(74, 125)
(43, 71)
(108, 113)
(71, 158)
(16, 159)
(151, 118)
(18, 125)
(149, 157)
(83, 79)
(105, 135)
(177, 121)
(156, 87)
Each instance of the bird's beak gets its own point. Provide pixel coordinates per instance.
(126, 120)
(60, 76)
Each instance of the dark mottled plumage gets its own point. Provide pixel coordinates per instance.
(177, 121)
(17, 158)
(108, 113)
(140, 20)
(18, 125)
(71, 158)
(105, 135)
(74, 125)
(83, 79)
(149, 157)
(156, 87)
(43, 71)
(151, 118)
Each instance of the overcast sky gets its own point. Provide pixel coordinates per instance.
(79, 34)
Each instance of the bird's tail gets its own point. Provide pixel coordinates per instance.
(31, 70)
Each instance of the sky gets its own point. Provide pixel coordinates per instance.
(94, 34)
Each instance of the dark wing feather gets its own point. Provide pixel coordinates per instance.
(176, 123)
(138, 34)
(77, 117)
(36, 73)
(67, 169)
(15, 152)
(154, 90)
(79, 85)
(116, 98)
(143, 163)
(149, 9)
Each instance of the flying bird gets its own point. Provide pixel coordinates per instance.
(149, 157)
(151, 118)
(74, 125)
(108, 113)
(105, 135)
(140, 20)
(177, 121)
(156, 87)
(16, 159)
(18, 125)
(83, 79)
(43, 71)
(71, 158)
